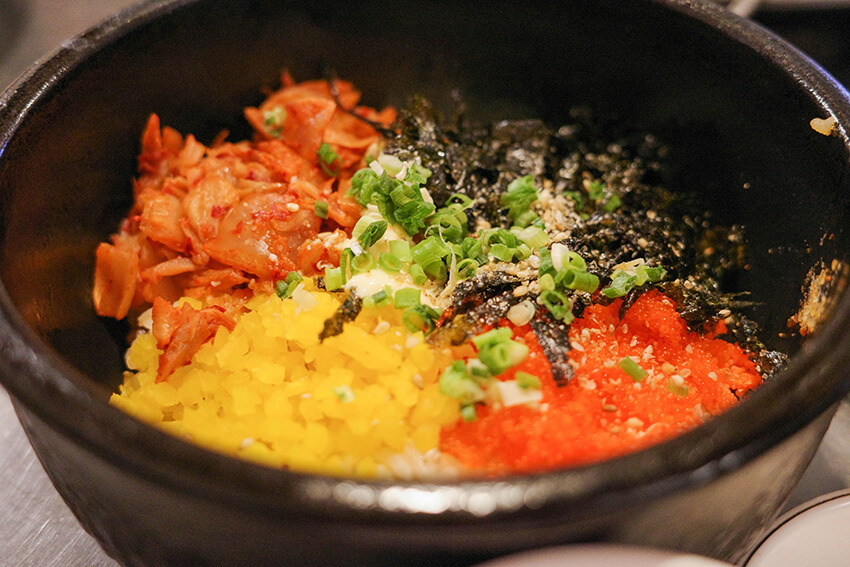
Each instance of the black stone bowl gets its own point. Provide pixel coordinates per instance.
(732, 100)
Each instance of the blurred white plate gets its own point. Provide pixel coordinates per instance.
(814, 533)
(603, 555)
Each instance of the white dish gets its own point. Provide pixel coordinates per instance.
(603, 555)
(815, 533)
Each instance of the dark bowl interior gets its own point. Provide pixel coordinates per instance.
(732, 101)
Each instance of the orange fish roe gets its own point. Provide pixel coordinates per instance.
(603, 411)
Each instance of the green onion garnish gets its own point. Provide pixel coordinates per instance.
(320, 209)
(344, 393)
(421, 318)
(429, 250)
(632, 368)
(574, 261)
(284, 288)
(533, 236)
(455, 382)
(558, 305)
(677, 388)
(612, 204)
(596, 191)
(399, 202)
(362, 263)
(574, 279)
(407, 297)
(401, 250)
(389, 263)
(327, 157)
(621, 284)
(273, 121)
(527, 381)
(491, 337)
(417, 274)
(518, 199)
(466, 268)
(372, 234)
(379, 299)
(500, 356)
(502, 253)
(468, 412)
(333, 279)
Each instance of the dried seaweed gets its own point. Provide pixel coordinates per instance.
(553, 337)
(346, 313)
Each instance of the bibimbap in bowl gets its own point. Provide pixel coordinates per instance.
(423, 301)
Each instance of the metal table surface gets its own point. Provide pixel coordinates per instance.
(38, 530)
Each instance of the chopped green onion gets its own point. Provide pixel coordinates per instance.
(527, 381)
(518, 199)
(327, 156)
(345, 259)
(577, 197)
(407, 297)
(344, 393)
(436, 270)
(491, 337)
(596, 191)
(391, 164)
(455, 382)
(502, 252)
(574, 279)
(655, 274)
(621, 284)
(372, 234)
(401, 250)
(284, 288)
(389, 263)
(476, 368)
(533, 236)
(468, 412)
(362, 263)
(379, 299)
(333, 279)
(558, 305)
(677, 388)
(632, 368)
(417, 274)
(547, 282)
(466, 268)
(525, 218)
(575, 261)
(429, 250)
(546, 264)
(500, 356)
(364, 184)
(612, 204)
(273, 121)
(293, 277)
(399, 202)
(417, 174)
(320, 209)
(473, 249)
(421, 318)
